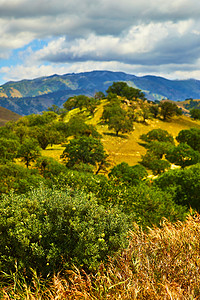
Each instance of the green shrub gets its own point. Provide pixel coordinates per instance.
(184, 185)
(48, 230)
(17, 178)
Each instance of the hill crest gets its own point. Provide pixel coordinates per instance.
(34, 96)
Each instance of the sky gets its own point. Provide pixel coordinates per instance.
(140, 37)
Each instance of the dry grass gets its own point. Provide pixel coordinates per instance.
(125, 147)
(161, 264)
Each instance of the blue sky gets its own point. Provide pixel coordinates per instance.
(44, 37)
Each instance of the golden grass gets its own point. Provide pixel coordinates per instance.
(126, 147)
(163, 263)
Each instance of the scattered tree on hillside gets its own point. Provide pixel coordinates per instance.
(168, 110)
(46, 135)
(128, 174)
(76, 127)
(153, 163)
(183, 155)
(159, 149)
(8, 149)
(159, 135)
(195, 113)
(117, 118)
(191, 137)
(86, 150)
(122, 89)
(154, 109)
(29, 151)
(99, 95)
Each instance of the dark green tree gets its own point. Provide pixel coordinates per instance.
(77, 127)
(79, 101)
(122, 89)
(159, 135)
(183, 185)
(49, 167)
(183, 155)
(128, 174)
(91, 105)
(154, 109)
(116, 118)
(8, 149)
(168, 110)
(195, 113)
(159, 149)
(99, 95)
(191, 137)
(86, 150)
(29, 151)
(153, 163)
(46, 135)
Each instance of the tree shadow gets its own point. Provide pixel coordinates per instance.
(122, 136)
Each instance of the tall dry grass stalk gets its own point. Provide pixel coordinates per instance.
(161, 264)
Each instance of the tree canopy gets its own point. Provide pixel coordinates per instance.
(122, 89)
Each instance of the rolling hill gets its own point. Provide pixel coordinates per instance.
(34, 96)
(7, 115)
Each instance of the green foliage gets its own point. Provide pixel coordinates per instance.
(122, 89)
(49, 167)
(191, 137)
(184, 185)
(153, 163)
(146, 205)
(37, 120)
(117, 118)
(183, 155)
(76, 102)
(195, 113)
(86, 150)
(159, 135)
(77, 127)
(8, 149)
(154, 110)
(129, 175)
(158, 148)
(17, 178)
(49, 230)
(149, 205)
(29, 151)
(169, 109)
(45, 135)
(99, 95)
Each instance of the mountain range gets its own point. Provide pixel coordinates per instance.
(34, 96)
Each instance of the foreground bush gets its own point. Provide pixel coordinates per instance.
(161, 264)
(49, 230)
(184, 185)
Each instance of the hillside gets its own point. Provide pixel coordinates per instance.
(125, 147)
(7, 115)
(34, 96)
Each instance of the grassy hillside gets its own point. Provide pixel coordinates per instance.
(7, 115)
(126, 147)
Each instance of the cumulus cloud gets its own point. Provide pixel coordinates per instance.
(139, 35)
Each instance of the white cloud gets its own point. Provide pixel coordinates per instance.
(129, 35)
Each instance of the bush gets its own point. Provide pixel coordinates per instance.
(17, 178)
(184, 185)
(128, 174)
(48, 230)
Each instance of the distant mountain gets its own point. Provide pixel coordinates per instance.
(7, 115)
(34, 96)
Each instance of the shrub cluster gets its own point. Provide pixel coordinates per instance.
(48, 230)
